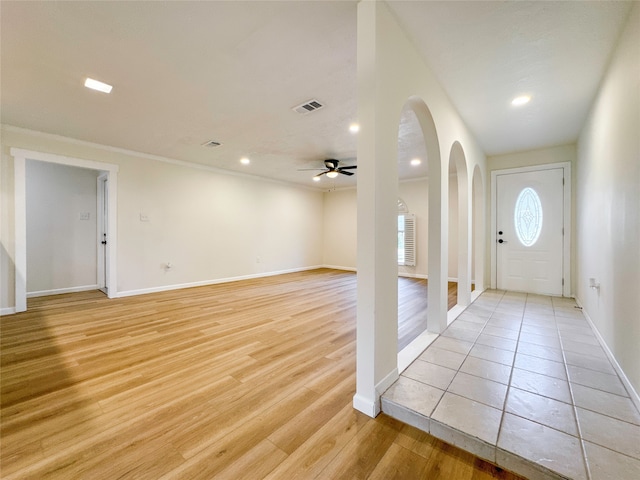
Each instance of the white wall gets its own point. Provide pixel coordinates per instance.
(7, 268)
(61, 227)
(340, 229)
(608, 205)
(453, 228)
(210, 225)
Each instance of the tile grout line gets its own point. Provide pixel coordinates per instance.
(504, 405)
(573, 401)
(446, 390)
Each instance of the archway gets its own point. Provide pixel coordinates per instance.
(412, 228)
(459, 229)
(425, 313)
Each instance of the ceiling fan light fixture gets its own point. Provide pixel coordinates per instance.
(332, 174)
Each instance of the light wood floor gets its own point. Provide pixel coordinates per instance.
(412, 307)
(245, 380)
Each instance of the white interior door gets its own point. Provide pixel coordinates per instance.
(529, 231)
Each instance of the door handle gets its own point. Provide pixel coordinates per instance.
(104, 242)
(502, 241)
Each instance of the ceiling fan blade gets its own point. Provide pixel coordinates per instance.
(306, 169)
(320, 174)
(348, 168)
(344, 173)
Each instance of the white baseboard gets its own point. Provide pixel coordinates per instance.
(635, 398)
(366, 406)
(386, 382)
(58, 291)
(371, 406)
(166, 288)
(413, 275)
(408, 354)
(454, 313)
(7, 311)
(339, 267)
(475, 294)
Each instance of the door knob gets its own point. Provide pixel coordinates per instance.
(502, 241)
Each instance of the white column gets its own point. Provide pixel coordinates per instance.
(377, 311)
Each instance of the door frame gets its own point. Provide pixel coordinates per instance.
(102, 219)
(566, 238)
(20, 157)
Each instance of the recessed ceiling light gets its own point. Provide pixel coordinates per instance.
(354, 128)
(521, 100)
(96, 85)
(245, 161)
(316, 179)
(416, 161)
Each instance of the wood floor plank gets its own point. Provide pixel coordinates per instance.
(250, 379)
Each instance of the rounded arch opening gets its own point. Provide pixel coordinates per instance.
(459, 258)
(419, 175)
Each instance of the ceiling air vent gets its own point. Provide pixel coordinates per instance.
(308, 107)
(211, 144)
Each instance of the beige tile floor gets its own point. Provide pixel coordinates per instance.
(522, 381)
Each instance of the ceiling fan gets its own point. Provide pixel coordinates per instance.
(332, 169)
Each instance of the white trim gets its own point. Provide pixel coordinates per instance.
(148, 156)
(566, 248)
(421, 276)
(372, 407)
(58, 291)
(455, 312)
(20, 214)
(386, 382)
(102, 184)
(408, 354)
(63, 160)
(635, 398)
(166, 288)
(367, 406)
(20, 233)
(338, 267)
(7, 311)
(475, 294)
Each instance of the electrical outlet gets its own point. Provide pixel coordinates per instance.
(144, 217)
(85, 216)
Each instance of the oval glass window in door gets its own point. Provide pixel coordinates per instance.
(528, 217)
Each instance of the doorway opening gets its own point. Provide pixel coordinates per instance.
(107, 171)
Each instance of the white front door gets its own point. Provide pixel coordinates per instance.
(529, 231)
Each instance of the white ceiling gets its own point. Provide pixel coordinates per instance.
(188, 72)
